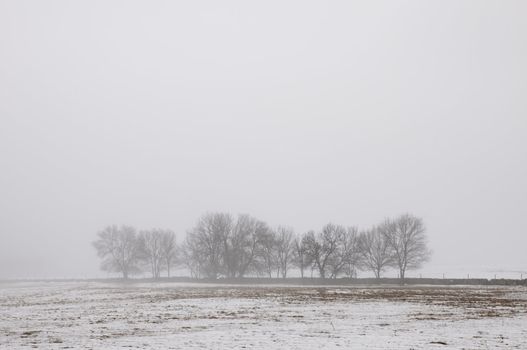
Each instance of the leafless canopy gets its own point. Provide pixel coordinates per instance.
(118, 247)
(157, 249)
(406, 237)
(375, 251)
(220, 245)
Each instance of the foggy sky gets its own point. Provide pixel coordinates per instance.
(151, 113)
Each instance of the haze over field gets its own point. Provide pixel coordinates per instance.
(299, 113)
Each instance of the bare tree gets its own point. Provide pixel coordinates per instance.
(406, 236)
(284, 249)
(347, 255)
(220, 246)
(207, 239)
(268, 260)
(168, 249)
(376, 253)
(322, 249)
(189, 254)
(313, 251)
(150, 250)
(332, 251)
(329, 239)
(118, 247)
(301, 258)
(240, 247)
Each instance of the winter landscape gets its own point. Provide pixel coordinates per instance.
(278, 174)
(99, 315)
(238, 294)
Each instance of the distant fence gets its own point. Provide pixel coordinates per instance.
(357, 281)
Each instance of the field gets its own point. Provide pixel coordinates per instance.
(97, 315)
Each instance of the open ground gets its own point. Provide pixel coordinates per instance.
(98, 315)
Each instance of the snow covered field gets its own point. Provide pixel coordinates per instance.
(98, 315)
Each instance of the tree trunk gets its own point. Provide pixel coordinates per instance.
(401, 274)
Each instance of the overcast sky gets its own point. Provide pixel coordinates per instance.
(150, 113)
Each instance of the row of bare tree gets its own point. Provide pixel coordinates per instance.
(223, 246)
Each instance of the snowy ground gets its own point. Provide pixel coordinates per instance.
(183, 316)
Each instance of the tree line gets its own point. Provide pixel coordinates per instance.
(221, 245)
